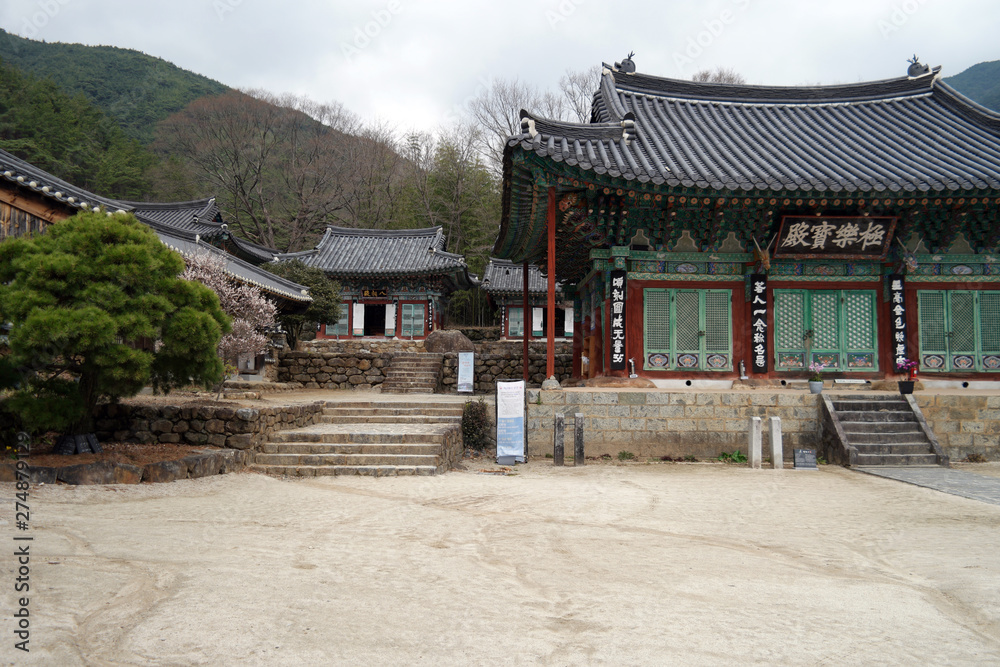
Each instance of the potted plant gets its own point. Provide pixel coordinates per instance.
(816, 379)
(906, 386)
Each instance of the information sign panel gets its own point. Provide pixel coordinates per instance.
(510, 422)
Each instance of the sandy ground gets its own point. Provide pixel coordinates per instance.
(606, 564)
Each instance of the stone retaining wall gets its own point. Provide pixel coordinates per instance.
(348, 347)
(504, 361)
(203, 464)
(348, 369)
(963, 424)
(219, 426)
(655, 424)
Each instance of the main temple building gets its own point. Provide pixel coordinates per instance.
(713, 231)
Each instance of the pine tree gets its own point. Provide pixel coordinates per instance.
(97, 311)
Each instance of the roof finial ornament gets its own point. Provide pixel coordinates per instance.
(626, 66)
(916, 68)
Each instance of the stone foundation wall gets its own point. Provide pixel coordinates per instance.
(349, 347)
(963, 424)
(503, 361)
(335, 370)
(219, 426)
(655, 424)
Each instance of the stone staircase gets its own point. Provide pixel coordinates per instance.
(369, 438)
(413, 373)
(878, 430)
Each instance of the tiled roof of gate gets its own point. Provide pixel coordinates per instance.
(503, 277)
(346, 252)
(180, 225)
(906, 134)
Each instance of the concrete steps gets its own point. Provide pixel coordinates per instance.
(884, 430)
(413, 372)
(376, 439)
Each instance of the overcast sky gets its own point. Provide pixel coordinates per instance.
(414, 63)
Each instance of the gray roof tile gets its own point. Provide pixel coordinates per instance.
(503, 277)
(904, 134)
(347, 253)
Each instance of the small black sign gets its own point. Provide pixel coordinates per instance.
(897, 321)
(758, 322)
(806, 459)
(846, 238)
(618, 320)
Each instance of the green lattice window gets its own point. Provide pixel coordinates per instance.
(959, 330)
(832, 327)
(412, 319)
(515, 322)
(687, 329)
(340, 328)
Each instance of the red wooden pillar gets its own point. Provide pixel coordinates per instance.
(577, 338)
(550, 348)
(526, 321)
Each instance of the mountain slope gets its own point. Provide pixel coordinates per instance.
(980, 83)
(135, 89)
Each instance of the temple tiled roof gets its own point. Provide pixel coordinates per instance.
(191, 244)
(183, 226)
(346, 253)
(504, 278)
(907, 134)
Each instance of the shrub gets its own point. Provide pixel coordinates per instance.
(477, 426)
(975, 458)
(625, 456)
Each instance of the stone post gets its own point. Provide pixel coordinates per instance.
(777, 455)
(754, 444)
(578, 459)
(558, 441)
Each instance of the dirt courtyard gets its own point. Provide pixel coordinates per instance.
(605, 564)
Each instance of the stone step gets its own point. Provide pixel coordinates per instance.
(870, 406)
(356, 437)
(385, 459)
(411, 382)
(881, 427)
(329, 471)
(390, 409)
(408, 376)
(918, 448)
(422, 448)
(876, 398)
(371, 405)
(886, 438)
(390, 419)
(404, 389)
(896, 416)
(896, 459)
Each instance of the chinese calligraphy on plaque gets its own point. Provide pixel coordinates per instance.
(758, 322)
(897, 308)
(839, 237)
(617, 320)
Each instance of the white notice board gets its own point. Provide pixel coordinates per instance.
(510, 422)
(466, 364)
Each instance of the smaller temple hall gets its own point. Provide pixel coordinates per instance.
(394, 283)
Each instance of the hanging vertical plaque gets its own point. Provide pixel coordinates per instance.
(897, 308)
(617, 320)
(758, 322)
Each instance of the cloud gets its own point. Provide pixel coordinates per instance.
(421, 59)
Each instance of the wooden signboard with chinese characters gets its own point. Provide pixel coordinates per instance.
(897, 321)
(618, 287)
(834, 238)
(758, 322)
(371, 293)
